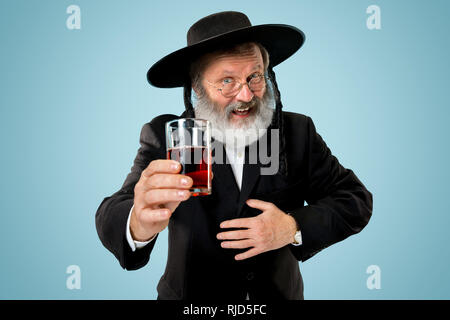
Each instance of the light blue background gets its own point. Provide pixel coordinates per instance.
(73, 103)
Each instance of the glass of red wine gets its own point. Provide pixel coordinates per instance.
(188, 141)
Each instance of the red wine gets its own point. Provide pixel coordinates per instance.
(195, 163)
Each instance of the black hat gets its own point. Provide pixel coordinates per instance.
(219, 30)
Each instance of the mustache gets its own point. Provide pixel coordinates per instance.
(251, 104)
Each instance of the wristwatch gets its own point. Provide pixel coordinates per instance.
(298, 234)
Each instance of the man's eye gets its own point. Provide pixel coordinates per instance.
(227, 81)
(255, 78)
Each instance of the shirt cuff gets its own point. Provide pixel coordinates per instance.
(131, 242)
(298, 234)
(300, 242)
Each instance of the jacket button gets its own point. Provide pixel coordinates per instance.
(250, 276)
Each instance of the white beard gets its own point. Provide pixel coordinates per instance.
(242, 132)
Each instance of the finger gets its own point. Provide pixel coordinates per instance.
(248, 254)
(161, 196)
(155, 215)
(163, 166)
(241, 244)
(237, 234)
(259, 204)
(238, 223)
(168, 181)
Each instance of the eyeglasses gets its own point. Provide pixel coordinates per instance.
(230, 87)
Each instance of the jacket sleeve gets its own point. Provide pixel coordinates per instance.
(339, 205)
(112, 214)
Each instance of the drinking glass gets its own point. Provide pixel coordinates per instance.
(188, 141)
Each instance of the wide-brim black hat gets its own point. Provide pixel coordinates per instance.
(217, 31)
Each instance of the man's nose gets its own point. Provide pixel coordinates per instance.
(245, 95)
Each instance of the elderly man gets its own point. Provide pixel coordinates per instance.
(244, 240)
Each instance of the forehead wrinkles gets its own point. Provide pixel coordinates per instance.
(218, 61)
(247, 56)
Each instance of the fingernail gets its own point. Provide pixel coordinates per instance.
(184, 181)
(175, 166)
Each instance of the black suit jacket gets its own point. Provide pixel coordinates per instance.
(197, 266)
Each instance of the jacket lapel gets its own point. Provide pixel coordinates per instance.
(224, 186)
(250, 177)
(223, 181)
